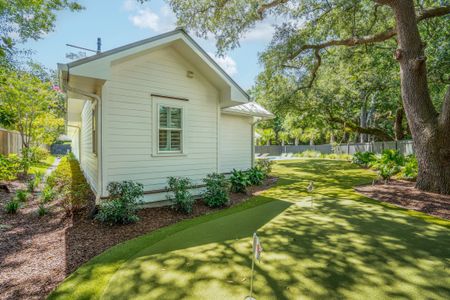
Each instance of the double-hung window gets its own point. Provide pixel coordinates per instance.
(170, 129)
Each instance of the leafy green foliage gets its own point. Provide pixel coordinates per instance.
(47, 195)
(265, 165)
(217, 187)
(239, 181)
(121, 207)
(10, 166)
(364, 159)
(69, 184)
(12, 206)
(38, 154)
(179, 195)
(22, 195)
(42, 210)
(309, 153)
(255, 176)
(24, 20)
(410, 169)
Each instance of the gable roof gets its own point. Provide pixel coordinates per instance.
(146, 44)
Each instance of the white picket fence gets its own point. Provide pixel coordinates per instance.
(404, 147)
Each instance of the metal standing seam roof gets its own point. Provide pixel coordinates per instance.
(249, 109)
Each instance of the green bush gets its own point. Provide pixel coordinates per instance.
(364, 159)
(338, 156)
(309, 153)
(69, 184)
(22, 195)
(121, 207)
(33, 183)
(265, 165)
(38, 154)
(410, 169)
(181, 198)
(217, 187)
(255, 176)
(10, 167)
(12, 206)
(239, 181)
(42, 210)
(47, 195)
(389, 163)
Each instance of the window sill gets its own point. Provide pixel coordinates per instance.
(168, 154)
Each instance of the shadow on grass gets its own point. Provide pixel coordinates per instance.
(338, 249)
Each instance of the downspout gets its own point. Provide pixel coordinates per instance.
(97, 100)
(253, 141)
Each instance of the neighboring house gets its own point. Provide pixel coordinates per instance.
(156, 108)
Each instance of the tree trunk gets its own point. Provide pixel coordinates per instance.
(296, 142)
(430, 133)
(398, 126)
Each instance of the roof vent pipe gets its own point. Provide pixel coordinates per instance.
(99, 45)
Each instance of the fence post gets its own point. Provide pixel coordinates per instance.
(396, 145)
(348, 148)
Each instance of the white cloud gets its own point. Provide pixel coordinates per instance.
(226, 63)
(144, 17)
(262, 31)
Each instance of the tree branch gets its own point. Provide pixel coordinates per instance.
(269, 5)
(381, 134)
(444, 118)
(375, 38)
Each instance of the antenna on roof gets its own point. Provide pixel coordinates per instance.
(82, 54)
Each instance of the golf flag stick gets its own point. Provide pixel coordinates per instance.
(256, 253)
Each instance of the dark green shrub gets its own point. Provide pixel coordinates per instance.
(181, 198)
(42, 210)
(217, 187)
(265, 165)
(363, 159)
(69, 184)
(255, 176)
(410, 169)
(389, 163)
(121, 207)
(239, 181)
(12, 206)
(22, 195)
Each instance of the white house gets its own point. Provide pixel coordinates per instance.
(156, 108)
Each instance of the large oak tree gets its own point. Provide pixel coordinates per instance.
(312, 26)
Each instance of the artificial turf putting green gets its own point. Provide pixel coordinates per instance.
(345, 246)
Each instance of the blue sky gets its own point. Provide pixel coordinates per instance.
(119, 22)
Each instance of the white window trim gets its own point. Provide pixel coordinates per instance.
(157, 103)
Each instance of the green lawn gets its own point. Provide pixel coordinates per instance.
(346, 246)
(42, 166)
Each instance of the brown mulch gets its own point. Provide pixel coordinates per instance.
(402, 193)
(37, 253)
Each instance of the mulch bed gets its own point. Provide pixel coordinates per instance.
(37, 253)
(402, 193)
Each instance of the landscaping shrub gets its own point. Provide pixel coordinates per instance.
(12, 206)
(265, 165)
(255, 176)
(410, 169)
(10, 167)
(239, 181)
(309, 153)
(42, 210)
(47, 195)
(364, 159)
(69, 184)
(21, 195)
(338, 156)
(121, 207)
(181, 198)
(217, 187)
(33, 183)
(38, 154)
(389, 163)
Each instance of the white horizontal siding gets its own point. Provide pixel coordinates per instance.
(235, 143)
(88, 160)
(128, 120)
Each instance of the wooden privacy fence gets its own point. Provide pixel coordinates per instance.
(404, 147)
(10, 142)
